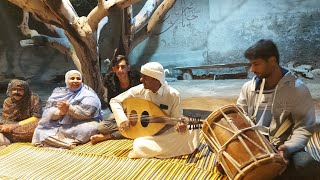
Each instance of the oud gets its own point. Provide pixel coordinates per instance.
(147, 119)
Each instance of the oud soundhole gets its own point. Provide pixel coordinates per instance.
(133, 118)
(145, 119)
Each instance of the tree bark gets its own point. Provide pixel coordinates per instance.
(77, 36)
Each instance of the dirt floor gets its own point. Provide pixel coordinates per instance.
(208, 94)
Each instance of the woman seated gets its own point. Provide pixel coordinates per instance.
(71, 115)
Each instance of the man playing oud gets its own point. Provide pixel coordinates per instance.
(170, 141)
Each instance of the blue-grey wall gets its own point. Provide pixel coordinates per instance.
(180, 39)
(196, 32)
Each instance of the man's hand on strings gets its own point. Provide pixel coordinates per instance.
(124, 126)
(181, 127)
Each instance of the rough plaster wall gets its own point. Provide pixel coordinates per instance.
(219, 31)
(180, 39)
(236, 25)
(38, 63)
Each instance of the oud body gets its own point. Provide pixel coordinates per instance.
(146, 119)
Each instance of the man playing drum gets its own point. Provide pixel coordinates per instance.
(276, 99)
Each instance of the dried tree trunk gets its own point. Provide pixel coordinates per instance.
(77, 36)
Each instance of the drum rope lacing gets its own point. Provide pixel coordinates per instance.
(221, 149)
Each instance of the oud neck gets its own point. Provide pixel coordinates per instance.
(171, 121)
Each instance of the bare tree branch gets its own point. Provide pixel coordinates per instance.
(24, 26)
(159, 13)
(38, 8)
(63, 10)
(102, 10)
(139, 37)
(98, 13)
(62, 44)
(125, 3)
(75, 59)
(141, 19)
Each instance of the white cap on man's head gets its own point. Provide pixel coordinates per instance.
(155, 70)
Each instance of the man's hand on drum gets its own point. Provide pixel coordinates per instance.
(181, 127)
(124, 126)
(283, 152)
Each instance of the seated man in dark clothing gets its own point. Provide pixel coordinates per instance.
(120, 79)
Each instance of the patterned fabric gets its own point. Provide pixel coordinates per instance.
(22, 133)
(313, 146)
(106, 160)
(29, 105)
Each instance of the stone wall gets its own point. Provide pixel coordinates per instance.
(219, 31)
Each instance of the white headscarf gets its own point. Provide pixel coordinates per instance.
(155, 70)
(67, 76)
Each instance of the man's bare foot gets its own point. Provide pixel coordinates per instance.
(99, 138)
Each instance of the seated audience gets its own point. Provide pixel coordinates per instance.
(20, 113)
(71, 115)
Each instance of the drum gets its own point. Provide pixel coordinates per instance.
(242, 150)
